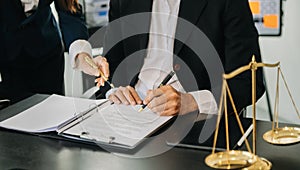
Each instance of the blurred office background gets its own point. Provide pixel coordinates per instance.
(280, 44)
(283, 48)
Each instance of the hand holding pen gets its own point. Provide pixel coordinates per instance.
(97, 66)
(157, 93)
(127, 95)
(167, 101)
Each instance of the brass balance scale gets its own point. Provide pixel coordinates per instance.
(237, 159)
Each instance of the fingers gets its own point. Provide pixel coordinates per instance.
(97, 66)
(165, 106)
(157, 105)
(151, 94)
(128, 95)
(85, 63)
(100, 81)
(103, 71)
(121, 96)
(136, 98)
(125, 95)
(164, 101)
(103, 65)
(114, 99)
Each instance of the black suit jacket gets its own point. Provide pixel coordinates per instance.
(37, 35)
(228, 24)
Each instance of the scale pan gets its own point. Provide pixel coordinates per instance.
(283, 136)
(260, 164)
(233, 159)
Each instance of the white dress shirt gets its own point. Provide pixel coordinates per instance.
(159, 59)
(29, 5)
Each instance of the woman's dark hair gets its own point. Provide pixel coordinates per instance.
(69, 5)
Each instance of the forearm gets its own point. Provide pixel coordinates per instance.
(188, 104)
(205, 101)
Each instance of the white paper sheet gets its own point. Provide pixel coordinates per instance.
(119, 124)
(49, 114)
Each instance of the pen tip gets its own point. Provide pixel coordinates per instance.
(141, 109)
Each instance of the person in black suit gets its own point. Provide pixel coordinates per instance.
(229, 26)
(32, 45)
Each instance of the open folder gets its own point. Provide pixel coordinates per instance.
(96, 121)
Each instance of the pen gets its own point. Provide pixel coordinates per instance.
(164, 82)
(246, 134)
(92, 64)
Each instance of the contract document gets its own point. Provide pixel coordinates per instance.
(97, 121)
(118, 124)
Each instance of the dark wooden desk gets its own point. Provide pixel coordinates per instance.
(25, 151)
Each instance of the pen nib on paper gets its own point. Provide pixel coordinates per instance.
(141, 109)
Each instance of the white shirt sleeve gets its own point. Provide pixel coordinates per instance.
(110, 91)
(77, 47)
(206, 102)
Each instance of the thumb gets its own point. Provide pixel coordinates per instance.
(94, 72)
(86, 64)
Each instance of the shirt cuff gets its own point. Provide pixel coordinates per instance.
(206, 102)
(77, 47)
(110, 91)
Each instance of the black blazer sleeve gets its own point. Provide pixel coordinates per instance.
(241, 42)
